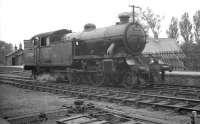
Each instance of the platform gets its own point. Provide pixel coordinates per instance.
(18, 66)
(183, 73)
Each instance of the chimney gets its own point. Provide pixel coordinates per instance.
(124, 17)
(89, 27)
(20, 46)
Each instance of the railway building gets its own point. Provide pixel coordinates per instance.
(167, 50)
(16, 57)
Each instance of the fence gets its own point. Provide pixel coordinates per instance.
(192, 61)
(175, 59)
(188, 61)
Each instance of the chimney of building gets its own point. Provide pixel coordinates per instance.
(20, 46)
(15, 48)
(155, 35)
(124, 17)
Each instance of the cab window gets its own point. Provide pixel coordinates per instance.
(45, 41)
(36, 41)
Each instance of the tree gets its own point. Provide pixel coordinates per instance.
(153, 21)
(188, 47)
(172, 32)
(186, 28)
(196, 20)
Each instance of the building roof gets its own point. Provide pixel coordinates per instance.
(167, 50)
(18, 52)
(161, 45)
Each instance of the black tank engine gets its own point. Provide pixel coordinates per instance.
(96, 56)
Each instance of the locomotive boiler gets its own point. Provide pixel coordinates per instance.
(96, 56)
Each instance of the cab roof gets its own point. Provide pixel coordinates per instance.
(46, 34)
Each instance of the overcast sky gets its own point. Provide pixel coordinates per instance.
(21, 19)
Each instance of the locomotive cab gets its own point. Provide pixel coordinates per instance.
(47, 51)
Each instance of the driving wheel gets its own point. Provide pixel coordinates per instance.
(97, 79)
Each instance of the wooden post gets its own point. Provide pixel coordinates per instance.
(193, 117)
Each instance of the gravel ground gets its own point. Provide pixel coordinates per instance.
(169, 116)
(16, 102)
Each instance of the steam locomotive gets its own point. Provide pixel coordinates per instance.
(96, 56)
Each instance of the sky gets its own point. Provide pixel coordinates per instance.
(22, 19)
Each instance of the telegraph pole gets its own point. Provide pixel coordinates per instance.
(133, 11)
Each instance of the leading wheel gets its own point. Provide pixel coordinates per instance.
(129, 80)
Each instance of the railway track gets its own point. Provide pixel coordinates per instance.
(158, 89)
(33, 85)
(123, 97)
